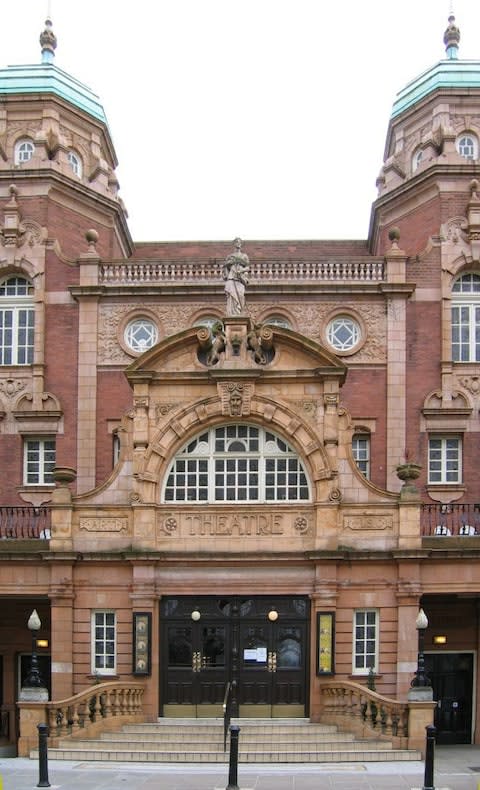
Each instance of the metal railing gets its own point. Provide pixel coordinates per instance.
(26, 522)
(226, 713)
(462, 520)
(211, 270)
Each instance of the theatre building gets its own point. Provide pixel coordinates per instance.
(239, 465)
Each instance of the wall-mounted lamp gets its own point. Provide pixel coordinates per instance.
(272, 615)
(440, 639)
(195, 615)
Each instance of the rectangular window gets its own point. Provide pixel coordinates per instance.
(16, 336)
(104, 643)
(361, 452)
(466, 333)
(445, 460)
(365, 641)
(38, 461)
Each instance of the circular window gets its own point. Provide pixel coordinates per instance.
(207, 320)
(141, 334)
(278, 320)
(343, 333)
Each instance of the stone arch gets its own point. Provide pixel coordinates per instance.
(179, 426)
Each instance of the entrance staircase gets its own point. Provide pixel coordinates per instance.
(201, 741)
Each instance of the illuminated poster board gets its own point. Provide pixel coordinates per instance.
(325, 643)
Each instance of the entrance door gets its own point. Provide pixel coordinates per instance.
(196, 668)
(451, 675)
(258, 644)
(272, 669)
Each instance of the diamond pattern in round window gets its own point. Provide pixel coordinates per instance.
(343, 333)
(141, 334)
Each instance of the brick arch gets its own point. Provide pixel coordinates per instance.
(184, 424)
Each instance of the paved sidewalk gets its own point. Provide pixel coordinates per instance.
(454, 769)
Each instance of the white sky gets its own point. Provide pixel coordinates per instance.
(259, 118)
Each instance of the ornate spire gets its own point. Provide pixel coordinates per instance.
(451, 38)
(48, 42)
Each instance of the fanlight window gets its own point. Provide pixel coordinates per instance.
(237, 463)
(466, 318)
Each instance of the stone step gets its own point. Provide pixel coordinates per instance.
(193, 747)
(337, 756)
(201, 741)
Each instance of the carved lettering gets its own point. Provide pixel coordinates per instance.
(238, 524)
(104, 524)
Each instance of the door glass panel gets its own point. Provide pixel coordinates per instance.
(289, 648)
(213, 646)
(254, 646)
(179, 646)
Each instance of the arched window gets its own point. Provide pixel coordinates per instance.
(466, 318)
(16, 321)
(417, 158)
(24, 150)
(75, 163)
(467, 146)
(237, 463)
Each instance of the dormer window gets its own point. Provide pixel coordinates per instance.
(417, 158)
(467, 146)
(24, 150)
(75, 163)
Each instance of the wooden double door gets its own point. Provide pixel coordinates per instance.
(257, 644)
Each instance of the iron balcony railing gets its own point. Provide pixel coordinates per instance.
(461, 520)
(20, 523)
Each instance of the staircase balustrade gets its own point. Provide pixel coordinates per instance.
(356, 708)
(110, 704)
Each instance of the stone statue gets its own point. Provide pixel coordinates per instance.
(235, 272)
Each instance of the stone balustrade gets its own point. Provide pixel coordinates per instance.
(271, 271)
(355, 708)
(111, 704)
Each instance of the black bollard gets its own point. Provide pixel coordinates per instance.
(429, 758)
(42, 756)
(233, 767)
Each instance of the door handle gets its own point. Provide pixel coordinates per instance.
(272, 662)
(196, 661)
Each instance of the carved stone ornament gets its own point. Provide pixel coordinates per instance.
(11, 387)
(169, 525)
(301, 525)
(471, 383)
(455, 229)
(162, 409)
(236, 398)
(335, 495)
